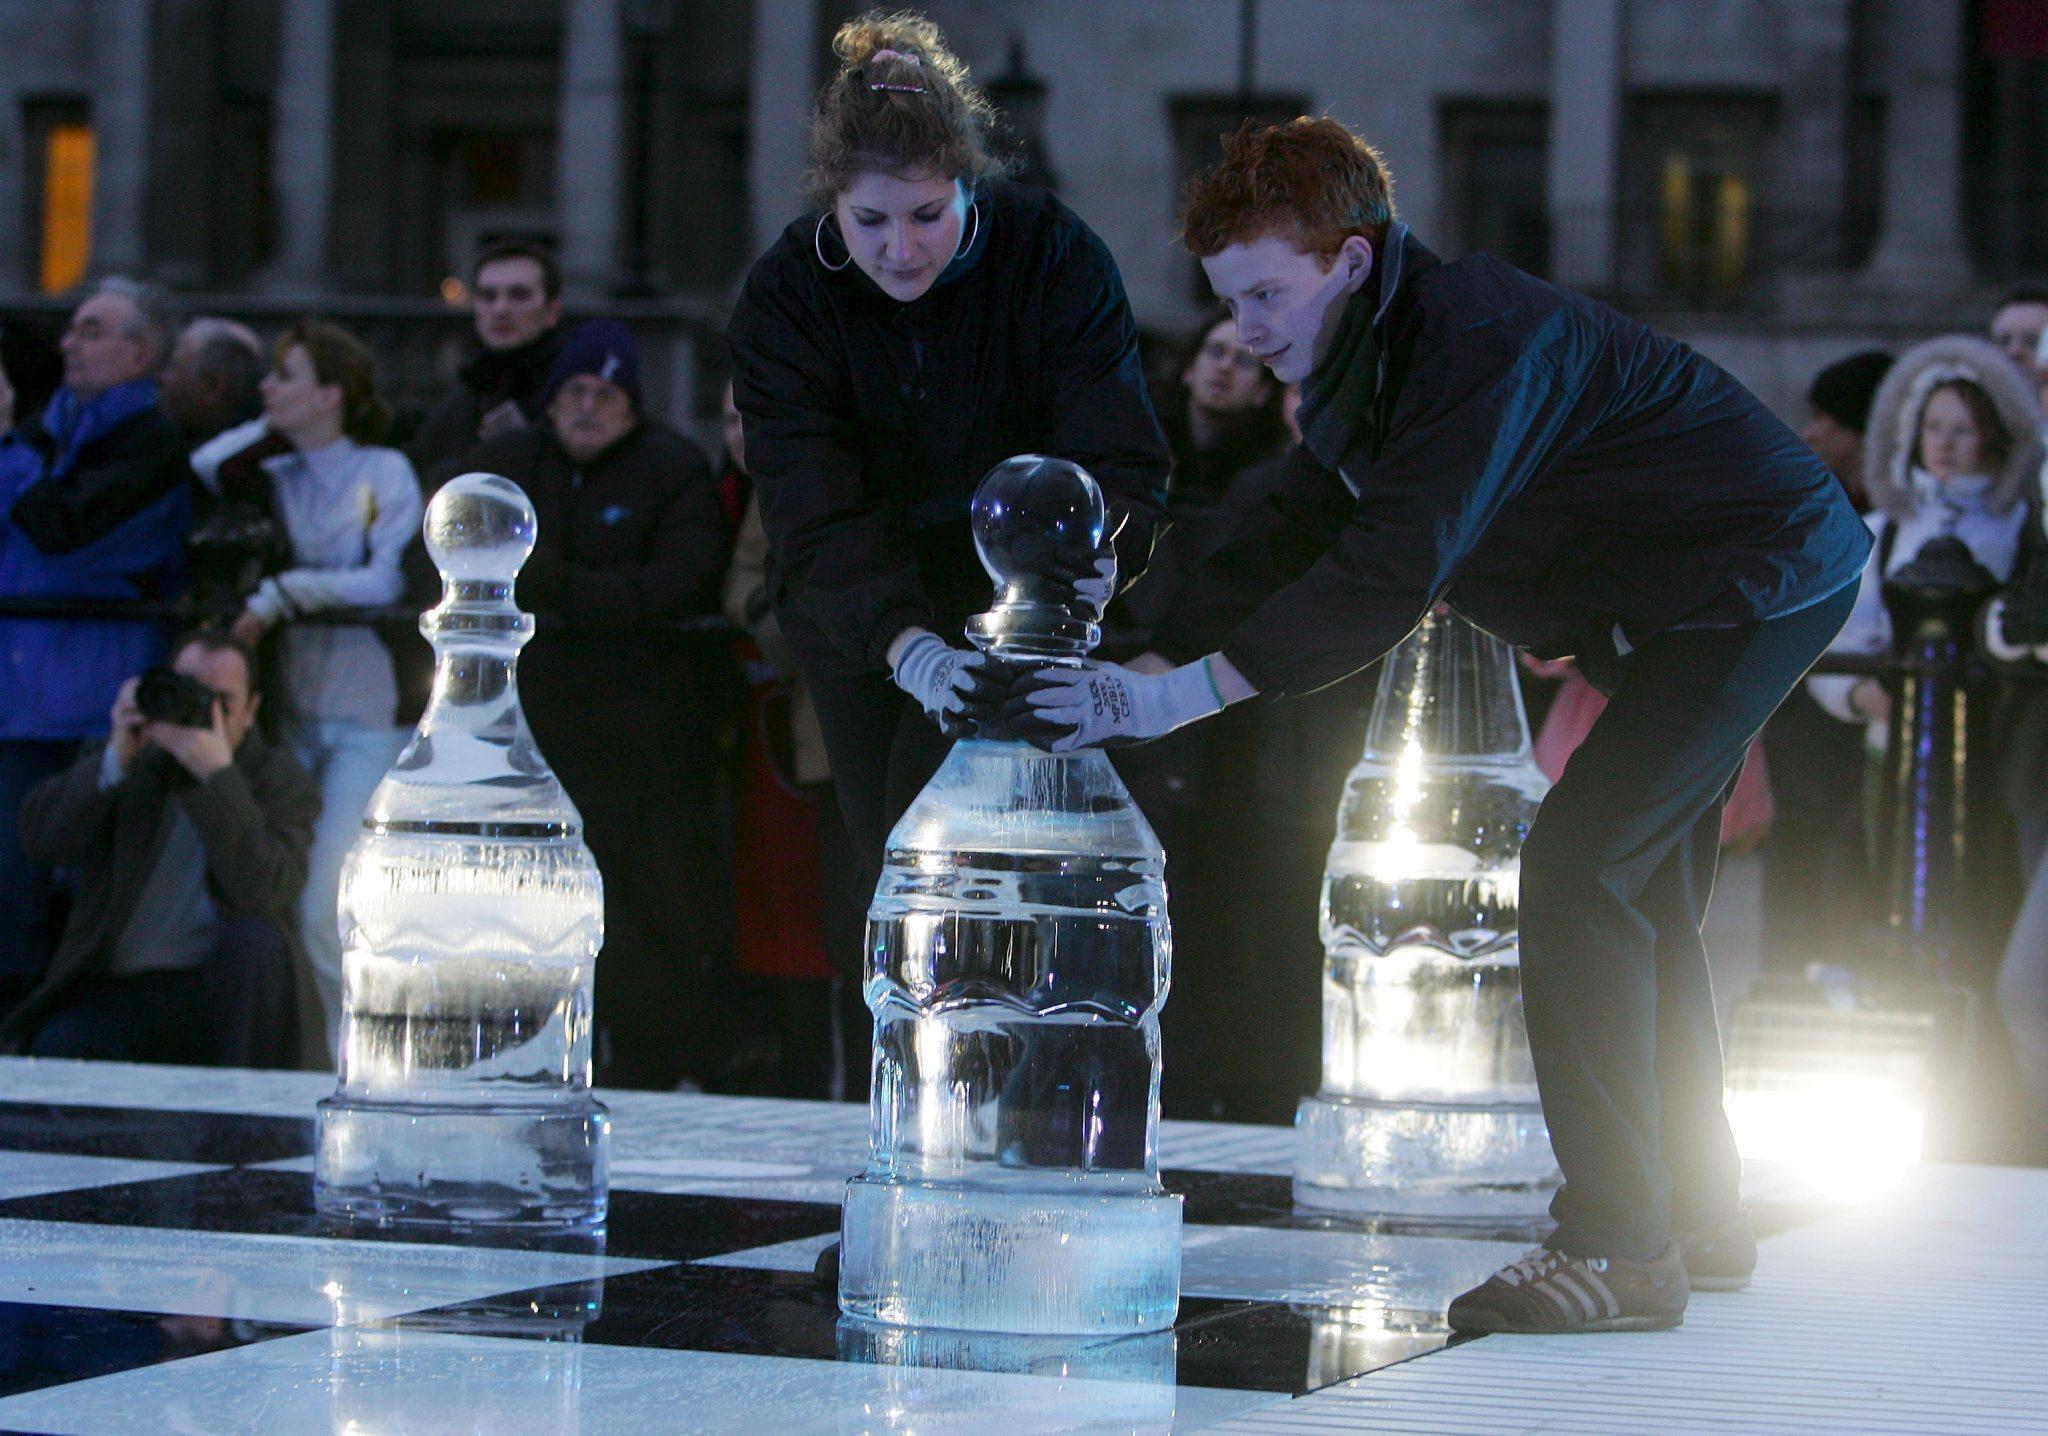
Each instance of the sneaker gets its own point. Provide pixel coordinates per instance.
(1549, 1292)
(1720, 1258)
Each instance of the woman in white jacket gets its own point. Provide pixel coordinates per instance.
(350, 506)
(1952, 441)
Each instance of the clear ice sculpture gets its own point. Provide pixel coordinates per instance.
(1428, 1105)
(1017, 958)
(471, 917)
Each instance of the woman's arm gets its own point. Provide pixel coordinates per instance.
(841, 552)
(390, 496)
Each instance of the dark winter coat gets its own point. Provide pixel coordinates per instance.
(1549, 467)
(635, 537)
(869, 422)
(255, 820)
(450, 428)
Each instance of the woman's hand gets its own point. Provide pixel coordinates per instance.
(247, 629)
(1871, 699)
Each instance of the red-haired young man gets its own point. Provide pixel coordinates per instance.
(1576, 484)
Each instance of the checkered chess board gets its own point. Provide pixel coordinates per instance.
(162, 1268)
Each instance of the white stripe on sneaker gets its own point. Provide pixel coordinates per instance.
(1563, 1280)
(1592, 1278)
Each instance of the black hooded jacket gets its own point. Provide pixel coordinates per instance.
(869, 422)
(1550, 468)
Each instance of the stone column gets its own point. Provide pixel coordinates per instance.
(782, 87)
(1586, 117)
(120, 119)
(590, 135)
(1585, 135)
(1920, 243)
(302, 148)
(1814, 149)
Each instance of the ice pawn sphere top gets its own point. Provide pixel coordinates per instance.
(472, 752)
(480, 528)
(1030, 513)
(471, 917)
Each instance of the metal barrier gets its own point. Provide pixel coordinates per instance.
(181, 615)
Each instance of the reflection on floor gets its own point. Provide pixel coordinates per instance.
(163, 1256)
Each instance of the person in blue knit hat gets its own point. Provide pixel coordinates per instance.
(630, 710)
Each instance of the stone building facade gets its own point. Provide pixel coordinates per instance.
(1779, 180)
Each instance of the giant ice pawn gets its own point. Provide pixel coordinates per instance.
(471, 916)
(1017, 959)
(1429, 1105)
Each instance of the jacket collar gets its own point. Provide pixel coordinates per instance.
(1393, 258)
(340, 449)
(73, 423)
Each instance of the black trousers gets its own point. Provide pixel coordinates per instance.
(1616, 876)
(883, 750)
(668, 927)
(236, 1011)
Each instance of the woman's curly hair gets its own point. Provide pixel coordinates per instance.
(901, 104)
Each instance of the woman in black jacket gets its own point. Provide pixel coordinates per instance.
(926, 321)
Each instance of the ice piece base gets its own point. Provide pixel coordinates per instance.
(451, 1164)
(1442, 1160)
(1025, 1260)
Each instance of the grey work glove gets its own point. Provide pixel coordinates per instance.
(943, 680)
(1094, 704)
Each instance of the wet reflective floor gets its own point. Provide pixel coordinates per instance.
(159, 1253)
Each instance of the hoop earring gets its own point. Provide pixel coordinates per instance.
(818, 245)
(973, 234)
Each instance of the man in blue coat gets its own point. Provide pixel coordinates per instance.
(1576, 484)
(95, 498)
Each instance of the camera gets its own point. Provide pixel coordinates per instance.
(167, 696)
(231, 550)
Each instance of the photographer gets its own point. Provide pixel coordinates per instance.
(188, 836)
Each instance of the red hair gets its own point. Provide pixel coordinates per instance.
(1311, 180)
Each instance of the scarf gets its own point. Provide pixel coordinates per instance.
(1337, 398)
(517, 374)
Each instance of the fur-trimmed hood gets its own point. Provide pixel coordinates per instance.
(1895, 419)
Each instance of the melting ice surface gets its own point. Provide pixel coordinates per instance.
(1428, 1103)
(1018, 954)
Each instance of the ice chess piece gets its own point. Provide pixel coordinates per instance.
(1017, 958)
(1428, 1105)
(471, 916)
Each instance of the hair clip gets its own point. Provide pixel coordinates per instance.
(906, 58)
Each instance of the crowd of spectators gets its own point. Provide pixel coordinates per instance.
(169, 875)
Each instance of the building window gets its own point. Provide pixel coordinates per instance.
(1695, 225)
(1494, 167)
(1199, 123)
(60, 147)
